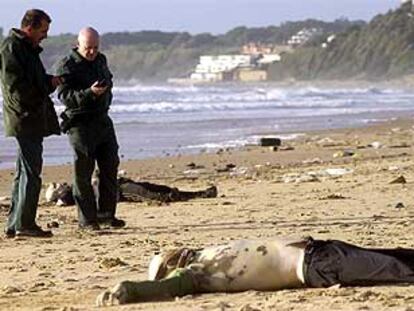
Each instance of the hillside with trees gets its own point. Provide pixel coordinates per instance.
(382, 49)
(156, 55)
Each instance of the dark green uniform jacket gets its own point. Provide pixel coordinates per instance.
(27, 108)
(79, 74)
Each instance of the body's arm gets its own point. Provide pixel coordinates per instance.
(181, 283)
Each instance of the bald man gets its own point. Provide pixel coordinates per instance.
(86, 94)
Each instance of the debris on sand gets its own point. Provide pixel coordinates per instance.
(193, 166)
(227, 168)
(315, 176)
(402, 145)
(399, 180)
(108, 263)
(270, 141)
(375, 145)
(10, 290)
(300, 178)
(327, 142)
(248, 307)
(333, 196)
(399, 205)
(313, 161)
(344, 153)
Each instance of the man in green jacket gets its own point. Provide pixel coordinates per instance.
(29, 116)
(86, 93)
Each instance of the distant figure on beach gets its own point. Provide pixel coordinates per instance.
(131, 191)
(264, 265)
(87, 96)
(135, 191)
(29, 116)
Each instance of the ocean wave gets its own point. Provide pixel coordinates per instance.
(163, 99)
(234, 143)
(221, 145)
(168, 107)
(151, 119)
(291, 104)
(311, 91)
(143, 88)
(204, 94)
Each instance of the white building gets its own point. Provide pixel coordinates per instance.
(269, 58)
(240, 67)
(220, 63)
(212, 67)
(303, 36)
(328, 41)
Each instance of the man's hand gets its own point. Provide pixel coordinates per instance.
(98, 90)
(56, 81)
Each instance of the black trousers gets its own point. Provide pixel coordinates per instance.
(95, 143)
(335, 262)
(134, 191)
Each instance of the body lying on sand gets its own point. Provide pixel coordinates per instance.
(264, 265)
(130, 191)
(255, 202)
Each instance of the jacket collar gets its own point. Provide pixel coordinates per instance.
(76, 56)
(79, 58)
(19, 35)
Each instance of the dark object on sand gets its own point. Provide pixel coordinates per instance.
(269, 141)
(133, 191)
(226, 168)
(53, 224)
(399, 180)
(400, 205)
(193, 166)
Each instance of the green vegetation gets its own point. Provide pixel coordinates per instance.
(382, 49)
(156, 55)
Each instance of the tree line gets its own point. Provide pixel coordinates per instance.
(381, 49)
(157, 55)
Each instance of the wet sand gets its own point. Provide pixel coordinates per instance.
(332, 184)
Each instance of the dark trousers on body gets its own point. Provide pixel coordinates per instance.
(95, 143)
(134, 191)
(335, 262)
(26, 185)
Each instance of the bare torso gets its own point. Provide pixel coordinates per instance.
(250, 265)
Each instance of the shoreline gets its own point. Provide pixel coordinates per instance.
(160, 132)
(403, 83)
(150, 168)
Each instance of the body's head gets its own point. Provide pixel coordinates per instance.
(155, 270)
(35, 25)
(88, 43)
(164, 263)
(60, 193)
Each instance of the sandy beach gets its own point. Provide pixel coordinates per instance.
(326, 184)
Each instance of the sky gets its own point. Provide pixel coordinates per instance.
(194, 16)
